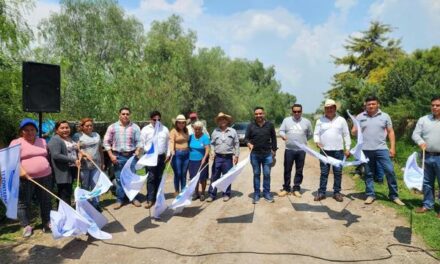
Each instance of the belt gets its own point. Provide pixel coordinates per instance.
(124, 153)
(432, 153)
(224, 155)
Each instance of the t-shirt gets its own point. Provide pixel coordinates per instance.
(374, 129)
(197, 147)
(33, 157)
(90, 145)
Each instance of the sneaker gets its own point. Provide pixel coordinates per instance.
(148, 205)
(175, 194)
(369, 200)
(338, 197)
(319, 197)
(210, 199)
(421, 210)
(283, 193)
(195, 197)
(226, 198)
(268, 198)
(398, 202)
(256, 198)
(136, 203)
(117, 206)
(27, 231)
(297, 194)
(202, 197)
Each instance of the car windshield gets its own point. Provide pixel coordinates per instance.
(240, 126)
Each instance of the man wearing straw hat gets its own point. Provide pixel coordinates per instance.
(331, 134)
(426, 135)
(376, 126)
(226, 148)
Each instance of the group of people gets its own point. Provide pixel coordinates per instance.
(189, 149)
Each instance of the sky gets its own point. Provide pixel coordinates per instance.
(297, 37)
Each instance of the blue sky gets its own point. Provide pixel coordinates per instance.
(297, 37)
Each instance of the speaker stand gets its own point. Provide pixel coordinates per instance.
(40, 124)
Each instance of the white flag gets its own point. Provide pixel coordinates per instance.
(67, 222)
(184, 198)
(150, 157)
(326, 159)
(102, 185)
(95, 219)
(357, 152)
(130, 181)
(160, 206)
(10, 179)
(413, 175)
(227, 179)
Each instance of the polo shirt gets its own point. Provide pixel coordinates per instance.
(374, 130)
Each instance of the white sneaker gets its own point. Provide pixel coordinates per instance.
(297, 194)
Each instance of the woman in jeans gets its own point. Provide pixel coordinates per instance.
(34, 164)
(63, 154)
(90, 145)
(180, 152)
(198, 157)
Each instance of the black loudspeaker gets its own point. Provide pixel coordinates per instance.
(41, 87)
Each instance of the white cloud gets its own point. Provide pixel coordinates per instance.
(191, 8)
(345, 5)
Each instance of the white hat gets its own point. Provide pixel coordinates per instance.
(329, 102)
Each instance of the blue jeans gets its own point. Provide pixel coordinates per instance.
(180, 164)
(290, 157)
(220, 167)
(265, 161)
(432, 171)
(120, 194)
(88, 184)
(325, 170)
(382, 158)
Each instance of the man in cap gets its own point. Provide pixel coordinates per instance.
(331, 134)
(226, 148)
(193, 117)
(426, 135)
(294, 128)
(376, 126)
(262, 141)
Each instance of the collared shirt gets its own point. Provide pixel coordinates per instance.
(428, 131)
(263, 138)
(225, 142)
(374, 129)
(332, 134)
(296, 130)
(122, 138)
(163, 138)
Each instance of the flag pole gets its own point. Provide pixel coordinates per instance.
(423, 160)
(42, 187)
(77, 176)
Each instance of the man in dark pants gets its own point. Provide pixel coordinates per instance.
(155, 172)
(262, 142)
(226, 147)
(294, 128)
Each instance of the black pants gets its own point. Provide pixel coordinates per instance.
(290, 157)
(65, 192)
(154, 178)
(26, 192)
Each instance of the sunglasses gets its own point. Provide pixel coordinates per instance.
(158, 119)
(125, 114)
(296, 112)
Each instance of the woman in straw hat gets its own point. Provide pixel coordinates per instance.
(180, 152)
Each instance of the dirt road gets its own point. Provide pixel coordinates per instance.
(329, 230)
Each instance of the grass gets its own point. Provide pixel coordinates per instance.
(426, 225)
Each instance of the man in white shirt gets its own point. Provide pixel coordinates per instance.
(331, 134)
(155, 173)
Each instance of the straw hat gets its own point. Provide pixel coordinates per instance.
(179, 118)
(329, 102)
(223, 115)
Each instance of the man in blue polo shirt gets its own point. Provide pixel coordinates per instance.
(376, 126)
